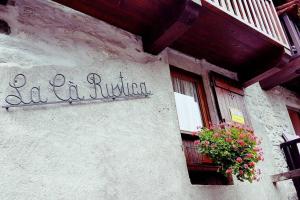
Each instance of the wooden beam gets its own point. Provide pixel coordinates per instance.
(269, 64)
(286, 74)
(286, 176)
(171, 30)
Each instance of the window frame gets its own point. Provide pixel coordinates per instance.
(202, 99)
(199, 173)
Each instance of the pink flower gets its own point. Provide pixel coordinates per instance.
(228, 132)
(256, 149)
(239, 160)
(196, 142)
(194, 133)
(206, 143)
(229, 171)
(261, 158)
(246, 166)
(241, 142)
(241, 172)
(228, 140)
(258, 141)
(251, 164)
(216, 135)
(249, 155)
(242, 136)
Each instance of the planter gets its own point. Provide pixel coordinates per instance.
(205, 159)
(233, 147)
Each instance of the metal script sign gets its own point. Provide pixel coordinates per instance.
(64, 91)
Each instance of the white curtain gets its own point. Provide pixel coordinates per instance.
(187, 105)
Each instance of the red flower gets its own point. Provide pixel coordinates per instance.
(251, 164)
(241, 142)
(256, 149)
(242, 136)
(239, 160)
(261, 158)
(228, 140)
(241, 172)
(196, 142)
(229, 171)
(249, 155)
(228, 132)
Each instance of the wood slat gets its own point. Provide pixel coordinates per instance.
(236, 9)
(263, 16)
(229, 6)
(229, 87)
(267, 14)
(241, 7)
(257, 24)
(286, 176)
(248, 12)
(273, 20)
(278, 24)
(254, 2)
(223, 4)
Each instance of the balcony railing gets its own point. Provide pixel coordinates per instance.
(258, 14)
(289, 73)
(292, 156)
(293, 34)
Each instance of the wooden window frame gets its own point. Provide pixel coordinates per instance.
(202, 100)
(205, 173)
(294, 123)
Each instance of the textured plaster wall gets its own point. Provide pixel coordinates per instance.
(123, 150)
(269, 115)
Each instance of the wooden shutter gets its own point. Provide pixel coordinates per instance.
(229, 94)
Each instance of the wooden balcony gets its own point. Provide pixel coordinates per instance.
(288, 75)
(244, 36)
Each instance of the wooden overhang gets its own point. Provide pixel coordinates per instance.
(288, 75)
(225, 36)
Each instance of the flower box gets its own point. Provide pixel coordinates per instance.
(232, 147)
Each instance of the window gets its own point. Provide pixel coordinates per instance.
(295, 118)
(190, 101)
(192, 112)
(4, 27)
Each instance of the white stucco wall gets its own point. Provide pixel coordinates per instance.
(122, 150)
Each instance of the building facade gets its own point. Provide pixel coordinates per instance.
(128, 149)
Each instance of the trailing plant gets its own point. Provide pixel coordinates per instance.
(233, 147)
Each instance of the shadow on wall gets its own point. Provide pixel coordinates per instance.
(4, 27)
